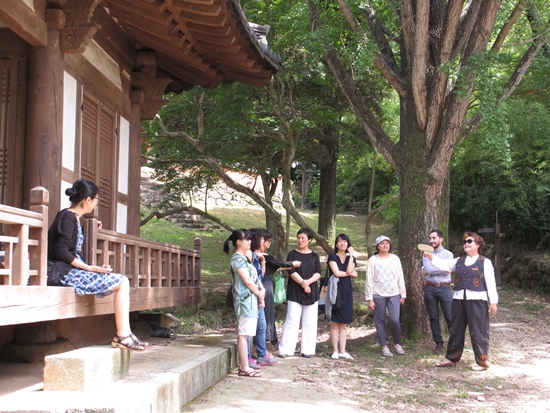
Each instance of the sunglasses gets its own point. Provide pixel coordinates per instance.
(468, 241)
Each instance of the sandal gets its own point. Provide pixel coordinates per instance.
(250, 373)
(132, 345)
(138, 341)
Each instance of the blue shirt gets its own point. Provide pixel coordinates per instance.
(436, 275)
(245, 302)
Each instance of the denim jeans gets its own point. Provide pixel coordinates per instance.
(435, 297)
(259, 338)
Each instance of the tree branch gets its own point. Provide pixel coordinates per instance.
(159, 215)
(361, 107)
(386, 52)
(215, 165)
(468, 21)
(508, 26)
(439, 83)
(420, 59)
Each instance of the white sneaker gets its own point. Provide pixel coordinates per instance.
(386, 352)
(334, 355)
(345, 355)
(399, 350)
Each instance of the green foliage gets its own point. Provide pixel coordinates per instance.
(507, 173)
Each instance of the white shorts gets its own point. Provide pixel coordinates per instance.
(247, 326)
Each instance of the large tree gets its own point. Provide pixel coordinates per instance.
(434, 53)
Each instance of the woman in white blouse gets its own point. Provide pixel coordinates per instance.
(385, 289)
(475, 296)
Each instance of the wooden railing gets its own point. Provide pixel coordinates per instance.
(145, 263)
(161, 275)
(25, 240)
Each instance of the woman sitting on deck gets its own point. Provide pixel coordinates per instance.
(65, 239)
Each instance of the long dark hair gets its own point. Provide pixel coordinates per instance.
(81, 190)
(234, 237)
(343, 237)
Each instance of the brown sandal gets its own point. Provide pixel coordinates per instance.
(250, 373)
(132, 345)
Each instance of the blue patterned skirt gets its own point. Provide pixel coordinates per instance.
(87, 282)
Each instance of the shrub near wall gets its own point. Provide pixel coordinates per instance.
(528, 272)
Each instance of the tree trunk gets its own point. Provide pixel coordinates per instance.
(327, 192)
(419, 193)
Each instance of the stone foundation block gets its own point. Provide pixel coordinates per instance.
(85, 368)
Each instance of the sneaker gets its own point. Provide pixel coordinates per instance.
(334, 355)
(386, 352)
(253, 365)
(399, 350)
(267, 360)
(345, 355)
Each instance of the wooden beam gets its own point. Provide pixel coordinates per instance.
(113, 39)
(24, 21)
(29, 304)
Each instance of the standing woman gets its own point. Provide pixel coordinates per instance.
(474, 286)
(256, 255)
(302, 294)
(272, 265)
(342, 265)
(385, 289)
(65, 239)
(248, 296)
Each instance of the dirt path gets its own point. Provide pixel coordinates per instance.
(517, 381)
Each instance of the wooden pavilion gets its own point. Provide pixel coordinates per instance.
(77, 77)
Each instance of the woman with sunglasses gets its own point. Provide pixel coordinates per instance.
(474, 288)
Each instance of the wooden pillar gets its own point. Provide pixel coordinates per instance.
(44, 122)
(134, 173)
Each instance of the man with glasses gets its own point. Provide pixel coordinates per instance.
(437, 289)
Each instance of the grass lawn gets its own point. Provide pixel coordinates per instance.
(215, 262)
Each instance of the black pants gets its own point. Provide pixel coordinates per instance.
(475, 315)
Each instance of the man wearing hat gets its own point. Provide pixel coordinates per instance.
(437, 289)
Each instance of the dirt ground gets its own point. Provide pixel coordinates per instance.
(517, 381)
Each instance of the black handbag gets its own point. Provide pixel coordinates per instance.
(54, 277)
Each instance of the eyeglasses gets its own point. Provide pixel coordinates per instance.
(468, 241)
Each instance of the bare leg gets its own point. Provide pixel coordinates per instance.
(242, 350)
(122, 308)
(343, 337)
(334, 332)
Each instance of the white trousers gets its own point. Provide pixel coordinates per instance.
(309, 315)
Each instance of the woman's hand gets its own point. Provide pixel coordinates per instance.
(307, 290)
(372, 305)
(402, 301)
(354, 274)
(350, 251)
(103, 270)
